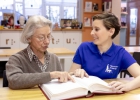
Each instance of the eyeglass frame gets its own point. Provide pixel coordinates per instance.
(43, 38)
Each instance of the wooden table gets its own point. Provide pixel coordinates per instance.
(62, 53)
(36, 94)
(132, 49)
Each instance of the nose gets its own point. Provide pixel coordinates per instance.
(47, 40)
(92, 32)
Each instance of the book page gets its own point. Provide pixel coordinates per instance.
(56, 87)
(91, 80)
(95, 84)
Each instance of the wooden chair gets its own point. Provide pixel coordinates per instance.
(2, 69)
(2, 63)
(5, 47)
(136, 56)
(5, 81)
(125, 72)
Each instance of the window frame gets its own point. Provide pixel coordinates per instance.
(61, 5)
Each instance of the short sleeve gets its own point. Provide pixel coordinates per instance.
(77, 56)
(127, 60)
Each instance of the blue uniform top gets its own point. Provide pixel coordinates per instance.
(106, 65)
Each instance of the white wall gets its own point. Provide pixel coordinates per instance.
(116, 9)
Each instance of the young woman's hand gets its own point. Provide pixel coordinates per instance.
(119, 86)
(80, 73)
(61, 76)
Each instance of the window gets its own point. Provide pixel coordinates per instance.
(133, 21)
(33, 7)
(52, 9)
(61, 9)
(53, 1)
(19, 7)
(19, 0)
(53, 13)
(69, 12)
(33, 3)
(6, 6)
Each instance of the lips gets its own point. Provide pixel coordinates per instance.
(45, 47)
(95, 38)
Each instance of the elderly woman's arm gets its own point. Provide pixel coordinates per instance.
(18, 79)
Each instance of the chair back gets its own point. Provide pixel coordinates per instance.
(136, 56)
(123, 74)
(2, 63)
(5, 47)
(5, 81)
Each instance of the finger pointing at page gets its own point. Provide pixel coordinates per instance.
(71, 78)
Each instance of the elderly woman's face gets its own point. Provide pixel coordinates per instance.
(40, 39)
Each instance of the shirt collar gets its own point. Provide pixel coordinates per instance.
(31, 54)
(109, 52)
(94, 48)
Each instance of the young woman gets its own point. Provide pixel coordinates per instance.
(102, 57)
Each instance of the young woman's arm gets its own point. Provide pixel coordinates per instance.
(134, 70)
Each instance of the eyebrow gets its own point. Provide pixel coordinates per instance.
(44, 34)
(95, 27)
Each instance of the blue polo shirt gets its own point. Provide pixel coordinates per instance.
(106, 65)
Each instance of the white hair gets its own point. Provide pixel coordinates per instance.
(33, 23)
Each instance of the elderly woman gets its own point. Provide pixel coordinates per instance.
(34, 65)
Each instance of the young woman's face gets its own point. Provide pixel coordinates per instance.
(99, 33)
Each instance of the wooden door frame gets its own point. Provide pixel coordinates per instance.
(133, 4)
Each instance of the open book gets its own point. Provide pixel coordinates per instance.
(55, 90)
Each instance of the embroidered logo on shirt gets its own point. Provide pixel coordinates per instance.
(110, 68)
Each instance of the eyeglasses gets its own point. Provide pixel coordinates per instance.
(43, 37)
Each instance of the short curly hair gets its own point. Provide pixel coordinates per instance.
(109, 21)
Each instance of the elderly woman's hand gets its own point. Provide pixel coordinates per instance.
(61, 76)
(119, 86)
